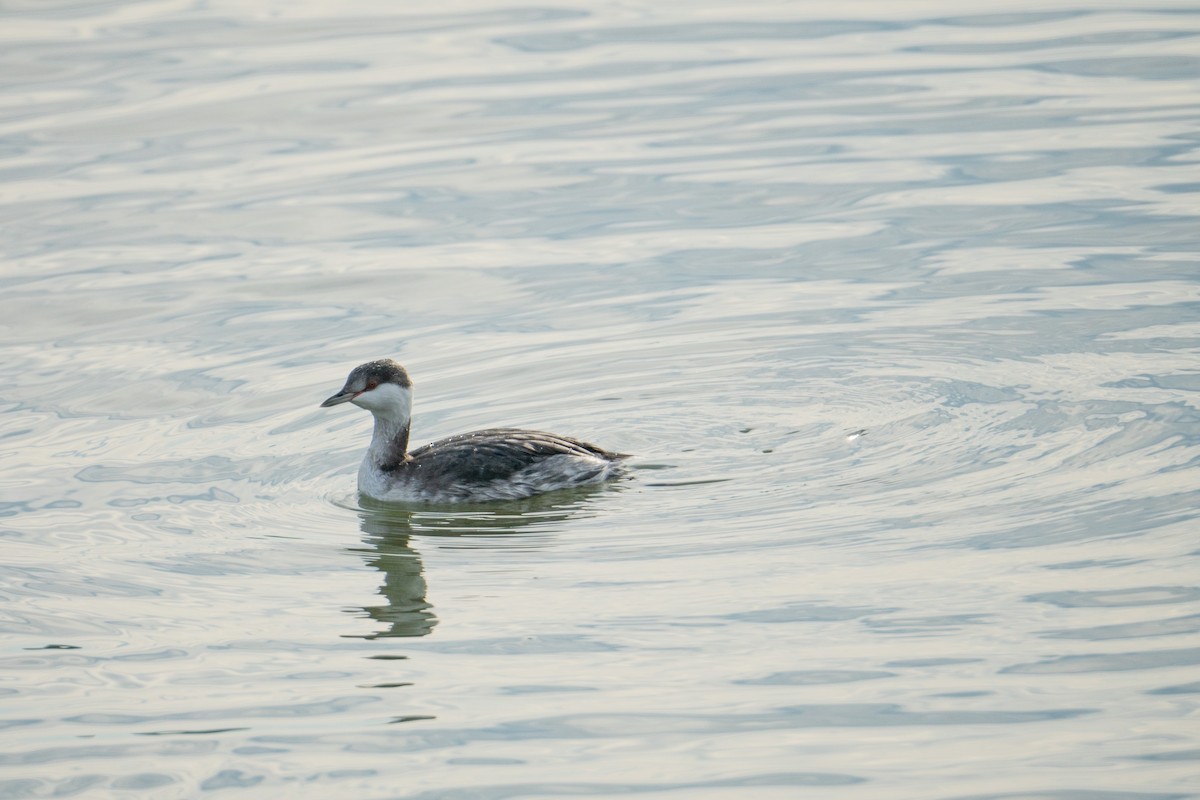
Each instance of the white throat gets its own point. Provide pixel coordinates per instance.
(391, 406)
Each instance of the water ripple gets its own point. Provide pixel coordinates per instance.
(897, 314)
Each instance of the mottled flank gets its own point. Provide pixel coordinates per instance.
(494, 464)
(502, 464)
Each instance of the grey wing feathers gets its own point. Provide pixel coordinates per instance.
(498, 453)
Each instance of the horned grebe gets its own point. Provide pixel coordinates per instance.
(495, 464)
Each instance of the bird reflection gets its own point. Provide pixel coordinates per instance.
(406, 612)
(389, 533)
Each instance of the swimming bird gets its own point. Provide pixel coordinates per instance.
(493, 464)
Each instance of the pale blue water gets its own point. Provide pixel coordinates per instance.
(728, 238)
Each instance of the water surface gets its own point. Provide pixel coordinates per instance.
(896, 304)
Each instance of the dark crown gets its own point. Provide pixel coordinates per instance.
(384, 371)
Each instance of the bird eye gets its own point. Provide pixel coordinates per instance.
(371, 384)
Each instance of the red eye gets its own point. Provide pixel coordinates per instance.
(371, 384)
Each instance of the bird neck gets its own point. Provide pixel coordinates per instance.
(389, 442)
